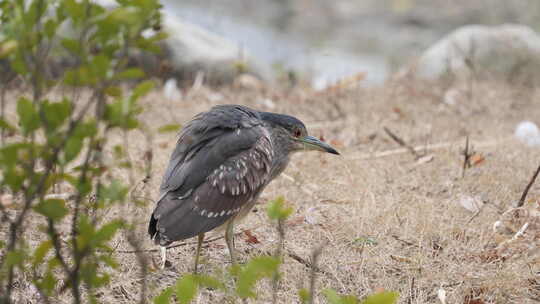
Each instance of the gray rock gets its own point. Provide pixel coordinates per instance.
(190, 49)
(508, 52)
(188, 52)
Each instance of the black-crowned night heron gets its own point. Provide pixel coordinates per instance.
(222, 161)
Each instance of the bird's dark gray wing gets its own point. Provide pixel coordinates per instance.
(210, 181)
(201, 133)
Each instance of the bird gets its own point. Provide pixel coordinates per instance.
(222, 161)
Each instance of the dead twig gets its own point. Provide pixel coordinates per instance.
(397, 238)
(466, 157)
(529, 185)
(279, 255)
(142, 260)
(432, 147)
(412, 292)
(477, 213)
(174, 246)
(313, 274)
(304, 262)
(402, 143)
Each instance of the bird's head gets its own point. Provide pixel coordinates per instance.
(292, 134)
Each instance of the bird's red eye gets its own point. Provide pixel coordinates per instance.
(297, 133)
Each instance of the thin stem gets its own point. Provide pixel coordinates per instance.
(313, 274)
(529, 185)
(142, 260)
(3, 92)
(279, 255)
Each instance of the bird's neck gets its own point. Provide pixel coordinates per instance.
(278, 166)
(282, 151)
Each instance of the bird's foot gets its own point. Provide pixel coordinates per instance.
(164, 262)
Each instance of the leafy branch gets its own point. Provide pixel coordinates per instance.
(57, 141)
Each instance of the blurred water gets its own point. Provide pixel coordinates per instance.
(277, 51)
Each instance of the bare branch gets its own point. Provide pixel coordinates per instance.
(402, 143)
(466, 157)
(313, 274)
(529, 185)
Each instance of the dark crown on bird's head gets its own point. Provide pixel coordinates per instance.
(290, 123)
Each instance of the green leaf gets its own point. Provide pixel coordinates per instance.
(304, 295)
(71, 45)
(100, 66)
(14, 178)
(109, 260)
(332, 296)
(208, 281)
(73, 147)
(142, 89)
(56, 113)
(7, 47)
(86, 129)
(31, 15)
(80, 76)
(9, 154)
(28, 116)
(131, 73)
(15, 257)
(148, 45)
(41, 251)
(277, 210)
(169, 128)
(74, 9)
(118, 151)
(54, 209)
(106, 232)
(114, 113)
(387, 297)
(122, 113)
(164, 297)
(115, 192)
(50, 28)
(48, 282)
(349, 299)
(124, 15)
(83, 186)
(255, 270)
(18, 64)
(86, 232)
(365, 241)
(114, 91)
(6, 126)
(186, 289)
(53, 263)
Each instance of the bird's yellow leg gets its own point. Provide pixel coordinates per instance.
(163, 251)
(229, 238)
(198, 253)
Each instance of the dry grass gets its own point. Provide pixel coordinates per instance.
(389, 221)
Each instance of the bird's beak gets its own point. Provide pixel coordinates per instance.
(312, 143)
